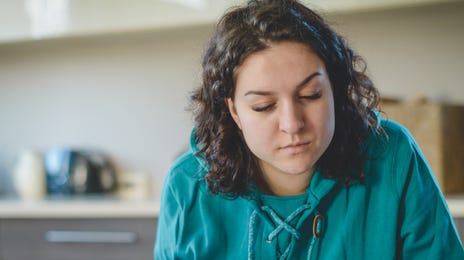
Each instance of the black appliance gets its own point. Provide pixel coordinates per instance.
(71, 171)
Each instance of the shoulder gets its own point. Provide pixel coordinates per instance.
(396, 131)
(394, 156)
(188, 166)
(185, 176)
(393, 138)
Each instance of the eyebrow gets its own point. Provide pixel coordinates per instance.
(300, 85)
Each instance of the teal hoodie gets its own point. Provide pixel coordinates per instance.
(398, 213)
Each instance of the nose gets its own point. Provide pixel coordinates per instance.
(291, 119)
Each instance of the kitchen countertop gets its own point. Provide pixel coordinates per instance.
(112, 207)
(79, 207)
(456, 205)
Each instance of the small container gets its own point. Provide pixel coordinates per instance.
(133, 185)
(29, 177)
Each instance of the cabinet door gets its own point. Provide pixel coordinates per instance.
(78, 239)
(460, 226)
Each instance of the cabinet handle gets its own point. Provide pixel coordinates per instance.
(90, 237)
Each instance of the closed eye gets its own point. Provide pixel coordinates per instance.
(311, 97)
(263, 108)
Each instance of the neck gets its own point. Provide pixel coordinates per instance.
(284, 184)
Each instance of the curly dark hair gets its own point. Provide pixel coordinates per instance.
(251, 28)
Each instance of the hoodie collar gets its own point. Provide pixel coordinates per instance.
(319, 187)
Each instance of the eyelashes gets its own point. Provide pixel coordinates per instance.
(269, 107)
(263, 108)
(312, 97)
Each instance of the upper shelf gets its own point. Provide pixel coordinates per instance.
(29, 20)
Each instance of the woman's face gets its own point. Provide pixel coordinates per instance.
(284, 106)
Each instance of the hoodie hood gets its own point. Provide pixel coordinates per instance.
(194, 149)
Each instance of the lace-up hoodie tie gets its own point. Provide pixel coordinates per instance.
(294, 236)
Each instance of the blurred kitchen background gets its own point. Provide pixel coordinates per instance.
(114, 76)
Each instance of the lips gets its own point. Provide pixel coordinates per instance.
(295, 148)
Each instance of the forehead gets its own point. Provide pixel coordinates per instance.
(282, 63)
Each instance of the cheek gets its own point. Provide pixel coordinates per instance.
(330, 119)
(253, 128)
(256, 131)
(323, 118)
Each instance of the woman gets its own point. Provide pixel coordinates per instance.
(290, 160)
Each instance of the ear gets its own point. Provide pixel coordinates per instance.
(233, 111)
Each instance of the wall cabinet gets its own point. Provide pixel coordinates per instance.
(77, 239)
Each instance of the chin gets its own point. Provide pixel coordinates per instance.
(297, 167)
(297, 170)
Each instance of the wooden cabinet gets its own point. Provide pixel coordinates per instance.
(438, 131)
(77, 239)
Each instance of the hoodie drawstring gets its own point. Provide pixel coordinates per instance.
(284, 224)
(251, 235)
(281, 225)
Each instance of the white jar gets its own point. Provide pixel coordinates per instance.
(29, 177)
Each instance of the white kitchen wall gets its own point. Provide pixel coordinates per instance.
(123, 94)
(412, 52)
(126, 94)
